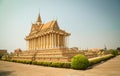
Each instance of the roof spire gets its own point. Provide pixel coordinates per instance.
(39, 21)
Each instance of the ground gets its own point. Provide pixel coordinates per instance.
(108, 68)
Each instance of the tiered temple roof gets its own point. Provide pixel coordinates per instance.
(39, 28)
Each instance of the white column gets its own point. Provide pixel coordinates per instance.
(41, 42)
(38, 42)
(34, 44)
(58, 41)
(44, 41)
(50, 40)
(54, 40)
(47, 41)
(31, 44)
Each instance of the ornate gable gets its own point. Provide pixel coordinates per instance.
(50, 25)
(55, 25)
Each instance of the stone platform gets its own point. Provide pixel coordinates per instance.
(47, 55)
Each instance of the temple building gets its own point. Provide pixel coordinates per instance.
(46, 42)
(46, 36)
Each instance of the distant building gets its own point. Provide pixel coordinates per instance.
(3, 51)
(17, 51)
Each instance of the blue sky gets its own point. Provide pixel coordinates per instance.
(92, 23)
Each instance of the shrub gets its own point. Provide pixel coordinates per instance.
(27, 62)
(46, 63)
(39, 63)
(22, 61)
(56, 64)
(1, 54)
(98, 60)
(118, 52)
(11, 60)
(79, 62)
(95, 61)
(34, 62)
(18, 61)
(66, 65)
(114, 52)
(53, 64)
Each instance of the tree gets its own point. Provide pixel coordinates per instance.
(118, 48)
(1, 54)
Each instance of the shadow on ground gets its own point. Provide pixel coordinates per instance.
(5, 73)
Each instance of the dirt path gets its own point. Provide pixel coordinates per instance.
(109, 68)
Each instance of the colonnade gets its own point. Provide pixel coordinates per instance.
(47, 41)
